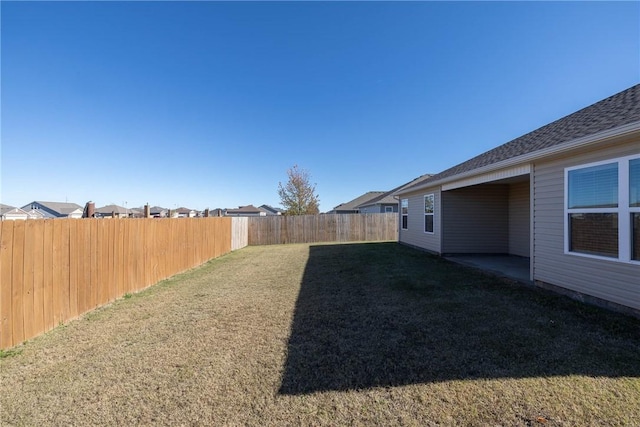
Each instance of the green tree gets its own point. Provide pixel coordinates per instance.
(298, 196)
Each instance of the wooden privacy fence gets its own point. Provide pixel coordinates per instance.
(52, 271)
(273, 230)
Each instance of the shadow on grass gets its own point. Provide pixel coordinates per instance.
(382, 314)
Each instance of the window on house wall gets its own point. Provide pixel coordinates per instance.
(634, 207)
(404, 211)
(388, 209)
(428, 213)
(603, 209)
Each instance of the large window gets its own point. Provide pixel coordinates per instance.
(428, 213)
(602, 206)
(404, 212)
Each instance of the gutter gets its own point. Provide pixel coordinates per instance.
(584, 141)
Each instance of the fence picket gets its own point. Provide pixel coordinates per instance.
(6, 265)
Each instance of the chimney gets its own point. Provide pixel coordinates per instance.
(206, 213)
(89, 210)
(147, 211)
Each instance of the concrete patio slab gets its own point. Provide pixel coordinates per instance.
(511, 266)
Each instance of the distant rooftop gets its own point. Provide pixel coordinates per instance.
(358, 201)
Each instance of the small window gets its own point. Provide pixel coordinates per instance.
(404, 211)
(428, 213)
(388, 209)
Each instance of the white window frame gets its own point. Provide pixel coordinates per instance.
(624, 210)
(431, 214)
(402, 214)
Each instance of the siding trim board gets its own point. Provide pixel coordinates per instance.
(489, 177)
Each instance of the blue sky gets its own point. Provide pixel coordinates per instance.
(206, 104)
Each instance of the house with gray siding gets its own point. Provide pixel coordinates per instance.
(248, 210)
(387, 202)
(112, 211)
(566, 197)
(352, 207)
(53, 209)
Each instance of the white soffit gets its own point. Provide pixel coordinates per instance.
(489, 177)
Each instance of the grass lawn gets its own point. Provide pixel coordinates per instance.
(357, 334)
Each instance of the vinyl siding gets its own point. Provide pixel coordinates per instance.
(476, 219)
(519, 214)
(377, 208)
(415, 234)
(394, 207)
(370, 209)
(609, 280)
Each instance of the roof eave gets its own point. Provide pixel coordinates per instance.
(620, 131)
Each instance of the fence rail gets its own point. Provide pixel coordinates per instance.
(52, 271)
(273, 230)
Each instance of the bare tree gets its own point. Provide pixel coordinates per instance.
(298, 196)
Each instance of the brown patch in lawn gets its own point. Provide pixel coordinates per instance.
(363, 334)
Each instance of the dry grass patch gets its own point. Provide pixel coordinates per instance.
(357, 334)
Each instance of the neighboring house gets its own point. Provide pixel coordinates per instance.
(136, 213)
(248, 210)
(35, 214)
(387, 202)
(54, 209)
(158, 212)
(352, 206)
(270, 210)
(566, 196)
(186, 213)
(12, 213)
(112, 211)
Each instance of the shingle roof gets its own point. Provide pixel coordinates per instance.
(353, 204)
(184, 210)
(109, 209)
(5, 208)
(271, 209)
(388, 197)
(617, 110)
(157, 210)
(245, 209)
(63, 208)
